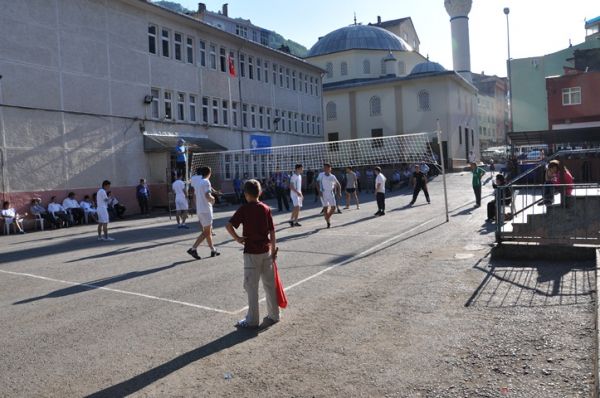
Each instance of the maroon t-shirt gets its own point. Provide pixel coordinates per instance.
(258, 222)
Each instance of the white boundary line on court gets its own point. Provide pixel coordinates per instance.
(120, 291)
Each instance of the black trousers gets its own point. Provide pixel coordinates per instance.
(77, 214)
(491, 208)
(281, 197)
(143, 202)
(380, 201)
(418, 189)
(477, 190)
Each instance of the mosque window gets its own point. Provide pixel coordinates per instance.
(366, 67)
(329, 69)
(375, 106)
(424, 101)
(401, 68)
(331, 111)
(383, 72)
(344, 68)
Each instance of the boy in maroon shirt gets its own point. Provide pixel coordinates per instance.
(260, 250)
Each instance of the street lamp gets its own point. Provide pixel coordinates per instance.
(510, 102)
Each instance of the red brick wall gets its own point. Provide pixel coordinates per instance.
(588, 110)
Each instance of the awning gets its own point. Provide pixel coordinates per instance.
(164, 142)
(566, 136)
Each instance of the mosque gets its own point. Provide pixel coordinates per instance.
(378, 84)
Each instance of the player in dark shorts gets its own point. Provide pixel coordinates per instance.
(351, 187)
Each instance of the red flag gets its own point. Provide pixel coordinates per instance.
(231, 66)
(281, 297)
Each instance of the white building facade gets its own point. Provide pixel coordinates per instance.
(103, 90)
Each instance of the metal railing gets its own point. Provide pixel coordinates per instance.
(562, 214)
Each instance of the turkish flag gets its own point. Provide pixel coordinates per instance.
(281, 297)
(231, 66)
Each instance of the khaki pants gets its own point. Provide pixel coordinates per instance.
(259, 266)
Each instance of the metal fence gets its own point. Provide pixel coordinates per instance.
(560, 214)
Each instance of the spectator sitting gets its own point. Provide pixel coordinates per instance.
(88, 207)
(71, 206)
(396, 178)
(37, 209)
(114, 206)
(407, 175)
(505, 197)
(58, 213)
(10, 216)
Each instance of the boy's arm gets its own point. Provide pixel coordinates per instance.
(234, 235)
(273, 244)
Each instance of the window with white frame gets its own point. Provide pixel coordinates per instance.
(215, 111)
(306, 84)
(329, 70)
(166, 43)
(375, 106)
(269, 119)
(241, 30)
(178, 40)
(205, 110)
(202, 46)
(281, 76)
(317, 84)
(253, 116)
(318, 125)
(152, 39)
(244, 115)
(287, 78)
(331, 110)
(300, 81)
(225, 112)
(344, 68)
(212, 56)
(367, 67)
(266, 72)
(189, 50)
(192, 107)
(289, 120)
(155, 111)
(383, 72)
(180, 106)
(222, 59)
(250, 67)
(234, 114)
(261, 121)
(302, 123)
(313, 125)
(294, 80)
(168, 105)
(423, 98)
(283, 121)
(274, 74)
(259, 69)
(571, 96)
(255, 36)
(242, 65)
(311, 85)
(227, 162)
(295, 122)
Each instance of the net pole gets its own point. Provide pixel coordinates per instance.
(439, 137)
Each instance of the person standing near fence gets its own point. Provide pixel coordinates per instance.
(181, 202)
(296, 194)
(142, 193)
(102, 206)
(279, 179)
(477, 174)
(419, 183)
(380, 191)
(180, 158)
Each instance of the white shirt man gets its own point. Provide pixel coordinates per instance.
(296, 194)
(54, 207)
(327, 185)
(181, 202)
(204, 207)
(70, 203)
(87, 207)
(380, 191)
(102, 206)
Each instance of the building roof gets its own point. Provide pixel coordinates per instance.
(358, 37)
(592, 21)
(572, 136)
(427, 67)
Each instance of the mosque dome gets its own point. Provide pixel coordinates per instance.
(358, 37)
(427, 67)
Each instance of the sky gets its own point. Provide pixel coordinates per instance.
(537, 27)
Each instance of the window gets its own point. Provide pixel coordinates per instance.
(266, 72)
(300, 80)
(168, 104)
(306, 84)
(189, 49)
(241, 31)
(254, 36)
(281, 76)
(251, 67)
(459, 135)
(242, 65)
(318, 126)
(261, 111)
(155, 103)
(215, 111)
(269, 119)
(287, 78)
(202, 53)
(317, 83)
(383, 71)
(192, 103)
(180, 106)
(331, 111)
(264, 38)
(244, 115)
(166, 42)
(212, 57)
(223, 59)
(333, 137)
(367, 67)
(571, 96)
(401, 68)
(329, 70)
(344, 68)
(253, 116)
(152, 39)
(289, 120)
(313, 125)
(275, 74)
(302, 124)
(227, 162)
(311, 85)
(225, 113)
(178, 45)
(234, 113)
(377, 133)
(375, 106)
(258, 69)
(283, 121)
(424, 101)
(295, 122)
(205, 110)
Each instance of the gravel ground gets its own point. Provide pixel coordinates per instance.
(413, 307)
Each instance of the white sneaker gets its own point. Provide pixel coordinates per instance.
(109, 238)
(100, 238)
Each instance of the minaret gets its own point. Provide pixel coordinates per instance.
(459, 22)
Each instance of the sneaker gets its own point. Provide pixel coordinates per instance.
(328, 224)
(357, 207)
(382, 213)
(268, 322)
(428, 202)
(109, 238)
(411, 203)
(194, 253)
(297, 224)
(339, 211)
(214, 253)
(377, 214)
(100, 238)
(183, 226)
(291, 223)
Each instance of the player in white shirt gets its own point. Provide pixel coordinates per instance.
(380, 191)
(296, 194)
(181, 203)
(102, 209)
(327, 184)
(204, 209)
